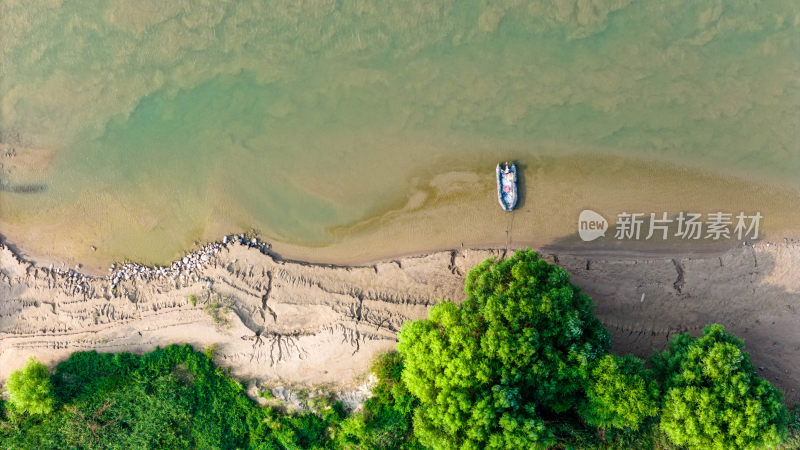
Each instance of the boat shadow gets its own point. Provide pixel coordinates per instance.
(521, 187)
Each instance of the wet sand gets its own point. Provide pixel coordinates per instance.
(441, 210)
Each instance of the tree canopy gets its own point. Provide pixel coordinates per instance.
(621, 393)
(30, 390)
(515, 355)
(713, 397)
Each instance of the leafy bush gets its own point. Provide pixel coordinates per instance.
(170, 398)
(210, 351)
(713, 396)
(793, 439)
(497, 371)
(30, 390)
(621, 393)
(386, 419)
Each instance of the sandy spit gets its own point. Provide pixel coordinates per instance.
(299, 323)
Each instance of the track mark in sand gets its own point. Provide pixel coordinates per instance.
(678, 284)
(508, 232)
(285, 345)
(360, 307)
(380, 323)
(452, 267)
(265, 298)
(358, 345)
(351, 336)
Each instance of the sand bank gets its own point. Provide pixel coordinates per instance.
(448, 204)
(296, 322)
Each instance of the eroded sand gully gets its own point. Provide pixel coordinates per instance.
(294, 321)
(315, 324)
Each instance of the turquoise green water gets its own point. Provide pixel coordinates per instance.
(295, 117)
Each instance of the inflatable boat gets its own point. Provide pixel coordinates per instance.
(507, 185)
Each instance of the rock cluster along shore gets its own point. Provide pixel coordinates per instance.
(186, 269)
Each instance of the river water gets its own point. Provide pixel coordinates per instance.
(160, 123)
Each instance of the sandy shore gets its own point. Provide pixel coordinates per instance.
(301, 323)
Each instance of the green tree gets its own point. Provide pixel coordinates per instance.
(513, 358)
(621, 393)
(713, 397)
(30, 389)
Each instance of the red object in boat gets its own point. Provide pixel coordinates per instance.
(506, 189)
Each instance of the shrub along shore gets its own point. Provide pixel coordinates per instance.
(522, 362)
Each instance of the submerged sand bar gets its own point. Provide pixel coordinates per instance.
(316, 324)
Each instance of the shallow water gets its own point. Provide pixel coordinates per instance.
(169, 122)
